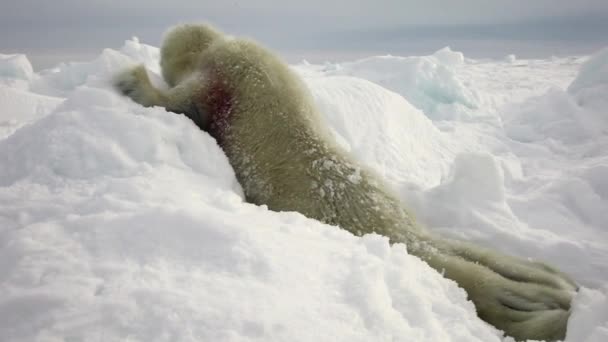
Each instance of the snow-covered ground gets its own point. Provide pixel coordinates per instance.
(124, 223)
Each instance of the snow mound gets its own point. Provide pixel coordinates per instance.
(95, 134)
(590, 88)
(142, 53)
(427, 82)
(68, 76)
(448, 57)
(589, 318)
(571, 117)
(18, 107)
(15, 66)
(472, 194)
(554, 115)
(475, 179)
(381, 128)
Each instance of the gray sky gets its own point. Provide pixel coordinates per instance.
(61, 30)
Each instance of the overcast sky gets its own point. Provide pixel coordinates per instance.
(61, 30)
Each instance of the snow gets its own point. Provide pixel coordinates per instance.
(427, 82)
(124, 223)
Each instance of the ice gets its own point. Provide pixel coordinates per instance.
(427, 82)
(15, 66)
(511, 58)
(124, 223)
(591, 86)
(448, 57)
(593, 73)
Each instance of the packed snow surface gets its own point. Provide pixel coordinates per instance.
(124, 223)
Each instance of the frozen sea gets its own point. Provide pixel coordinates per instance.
(124, 223)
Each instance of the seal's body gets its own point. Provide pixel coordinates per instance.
(265, 120)
(282, 156)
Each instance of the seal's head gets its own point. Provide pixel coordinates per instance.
(181, 49)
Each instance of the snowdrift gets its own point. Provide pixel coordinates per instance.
(124, 223)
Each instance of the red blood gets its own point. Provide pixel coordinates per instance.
(219, 101)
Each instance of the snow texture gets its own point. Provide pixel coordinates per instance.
(124, 223)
